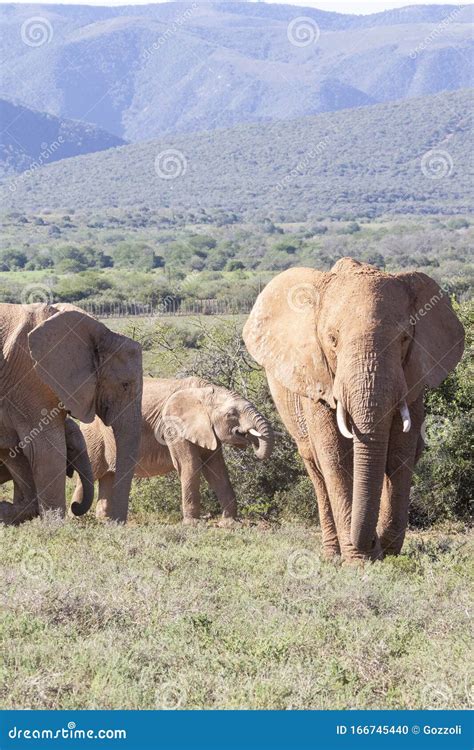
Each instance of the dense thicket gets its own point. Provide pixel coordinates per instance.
(406, 157)
(169, 260)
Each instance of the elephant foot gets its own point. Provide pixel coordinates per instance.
(101, 510)
(190, 521)
(392, 544)
(13, 514)
(228, 523)
(331, 549)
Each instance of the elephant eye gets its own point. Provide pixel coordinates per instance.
(332, 339)
(125, 386)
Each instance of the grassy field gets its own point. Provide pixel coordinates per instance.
(162, 616)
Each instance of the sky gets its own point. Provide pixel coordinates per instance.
(339, 6)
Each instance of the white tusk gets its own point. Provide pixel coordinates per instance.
(405, 414)
(341, 421)
(255, 433)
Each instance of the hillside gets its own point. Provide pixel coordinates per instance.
(29, 138)
(368, 161)
(144, 71)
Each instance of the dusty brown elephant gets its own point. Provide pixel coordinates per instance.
(184, 424)
(348, 354)
(56, 359)
(15, 467)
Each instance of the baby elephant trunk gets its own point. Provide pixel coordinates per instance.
(78, 460)
(261, 433)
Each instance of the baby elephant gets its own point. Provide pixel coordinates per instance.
(184, 423)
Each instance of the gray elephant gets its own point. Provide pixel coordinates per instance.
(15, 467)
(347, 355)
(56, 359)
(184, 424)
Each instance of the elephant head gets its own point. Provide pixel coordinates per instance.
(94, 371)
(366, 343)
(210, 414)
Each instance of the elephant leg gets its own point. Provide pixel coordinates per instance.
(335, 460)
(403, 452)
(46, 454)
(331, 546)
(187, 462)
(215, 472)
(25, 502)
(106, 488)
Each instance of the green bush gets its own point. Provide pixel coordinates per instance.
(279, 488)
(444, 486)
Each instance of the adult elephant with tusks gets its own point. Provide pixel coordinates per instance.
(57, 359)
(347, 355)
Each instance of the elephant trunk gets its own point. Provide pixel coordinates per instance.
(261, 430)
(370, 456)
(371, 397)
(127, 434)
(78, 460)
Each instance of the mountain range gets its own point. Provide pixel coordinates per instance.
(30, 139)
(147, 71)
(406, 157)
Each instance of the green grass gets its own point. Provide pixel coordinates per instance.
(159, 616)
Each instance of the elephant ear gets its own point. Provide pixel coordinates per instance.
(438, 341)
(281, 333)
(65, 352)
(186, 415)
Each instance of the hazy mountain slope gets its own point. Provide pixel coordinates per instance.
(143, 71)
(367, 161)
(29, 138)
